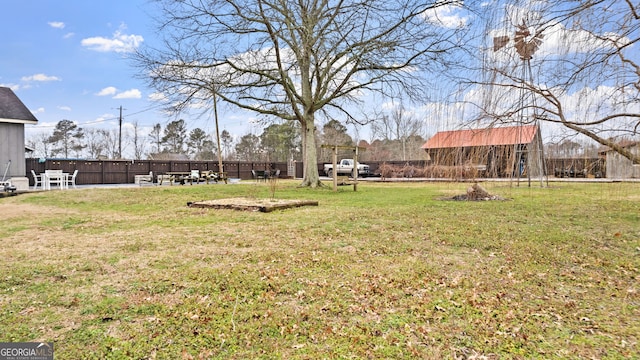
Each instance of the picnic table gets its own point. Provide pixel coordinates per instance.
(176, 176)
(215, 176)
(193, 176)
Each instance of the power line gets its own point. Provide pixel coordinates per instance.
(91, 122)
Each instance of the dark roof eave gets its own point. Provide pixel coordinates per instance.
(18, 121)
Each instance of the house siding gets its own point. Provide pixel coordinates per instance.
(12, 148)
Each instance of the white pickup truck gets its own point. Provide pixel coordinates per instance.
(345, 167)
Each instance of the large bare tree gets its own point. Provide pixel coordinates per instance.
(574, 64)
(298, 60)
(139, 143)
(96, 143)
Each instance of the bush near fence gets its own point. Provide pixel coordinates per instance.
(429, 171)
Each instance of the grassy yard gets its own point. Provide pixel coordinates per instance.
(389, 271)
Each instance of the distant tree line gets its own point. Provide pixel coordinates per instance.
(395, 137)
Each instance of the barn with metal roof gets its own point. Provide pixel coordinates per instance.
(499, 151)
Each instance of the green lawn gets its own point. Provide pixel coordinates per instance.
(389, 271)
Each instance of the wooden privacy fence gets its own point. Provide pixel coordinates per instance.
(124, 171)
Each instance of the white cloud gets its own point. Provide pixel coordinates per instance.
(56, 24)
(119, 42)
(65, 108)
(40, 77)
(102, 118)
(560, 40)
(129, 94)
(447, 16)
(39, 110)
(68, 35)
(107, 91)
(13, 87)
(156, 96)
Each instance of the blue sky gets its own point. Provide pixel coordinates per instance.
(66, 59)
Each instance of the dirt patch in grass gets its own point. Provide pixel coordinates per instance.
(476, 192)
(10, 211)
(249, 204)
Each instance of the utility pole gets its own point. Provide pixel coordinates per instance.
(215, 112)
(120, 136)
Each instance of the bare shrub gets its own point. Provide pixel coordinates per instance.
(387, 171)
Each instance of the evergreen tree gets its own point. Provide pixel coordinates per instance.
(281, 141)
(200, 145)
(174, 138)
(248, 148)
(67, 137)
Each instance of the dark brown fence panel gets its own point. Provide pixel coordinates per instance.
(180, 166)
(114, 172)
(138, 168)
(282, 167)
(235, 170)
(124, 171)
(300, 169)
(90, 172)
(159, 167)
(199, 165)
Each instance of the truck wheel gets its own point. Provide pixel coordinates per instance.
(330, 173)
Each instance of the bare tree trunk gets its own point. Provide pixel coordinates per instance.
(310, 177)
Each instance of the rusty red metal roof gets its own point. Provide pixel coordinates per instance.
(510, 135)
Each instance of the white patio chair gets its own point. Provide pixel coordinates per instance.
(37, 180)
(72, 179)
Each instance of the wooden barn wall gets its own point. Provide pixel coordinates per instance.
(498, 159)
(619, 167)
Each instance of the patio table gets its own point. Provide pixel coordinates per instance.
(55, 177)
